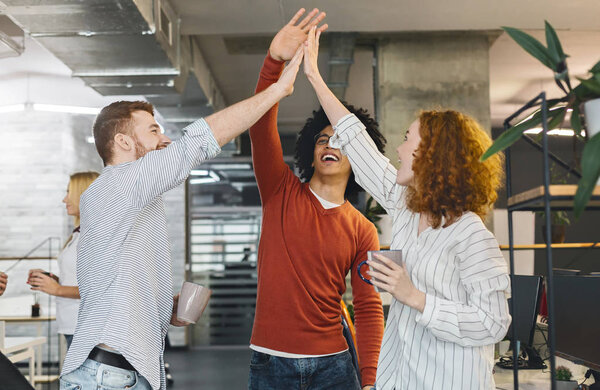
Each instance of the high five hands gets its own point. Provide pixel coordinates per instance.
(291, 37)
(288, 45)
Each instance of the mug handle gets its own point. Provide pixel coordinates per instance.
(359, 274)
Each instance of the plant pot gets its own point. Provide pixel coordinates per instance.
(591, 110)
(566, 385)
(557, 232)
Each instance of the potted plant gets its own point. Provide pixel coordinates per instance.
(583, 101)
(559, 218)
(382, 221)
(563, 379)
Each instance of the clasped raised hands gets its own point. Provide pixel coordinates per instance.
(287, 41)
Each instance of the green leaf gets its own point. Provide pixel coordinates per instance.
(592, 84)
(596, 68)
(532, 46)
(582, 92)
(590, 171)
(554, 46)
(576, 120)
(511, 135)
(557, 117)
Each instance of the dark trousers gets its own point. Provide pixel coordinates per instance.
(10, 376)
(335, 372)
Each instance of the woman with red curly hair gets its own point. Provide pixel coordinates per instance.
(449, 303)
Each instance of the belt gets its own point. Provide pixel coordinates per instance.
(110, 358)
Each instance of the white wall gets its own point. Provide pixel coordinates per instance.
(524, 234)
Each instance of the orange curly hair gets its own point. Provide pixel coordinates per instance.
(449, 179)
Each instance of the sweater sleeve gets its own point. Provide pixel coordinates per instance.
(484, 319)
(267, 155)
(372, 170)
(368, 312)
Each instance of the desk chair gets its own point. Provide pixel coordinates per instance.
(350, 336)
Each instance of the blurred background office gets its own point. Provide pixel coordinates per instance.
(61, 61)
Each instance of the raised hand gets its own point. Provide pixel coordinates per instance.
(288, 76)
(292, 35)
(311, 54)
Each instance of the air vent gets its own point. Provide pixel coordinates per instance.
(12, 38)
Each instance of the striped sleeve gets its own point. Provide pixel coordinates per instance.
(161, 170)
(372, 170)
(484, 318)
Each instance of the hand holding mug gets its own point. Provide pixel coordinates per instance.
(41, 281)
(394, 255)
(190, 303)
(395, 279)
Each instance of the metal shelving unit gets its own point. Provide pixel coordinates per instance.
(543, 198)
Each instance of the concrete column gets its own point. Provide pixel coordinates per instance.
(431, 70)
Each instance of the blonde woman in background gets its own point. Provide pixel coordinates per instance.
(65, 287)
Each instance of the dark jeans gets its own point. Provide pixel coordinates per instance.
(334, 372)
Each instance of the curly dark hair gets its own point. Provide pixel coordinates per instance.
(305, 145)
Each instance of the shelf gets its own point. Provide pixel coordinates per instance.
(27, 258)
(561, 198)
(570, 245)
(46, 378)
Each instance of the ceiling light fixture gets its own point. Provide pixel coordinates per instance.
(559, 132)
(66, 109)
(12, 108)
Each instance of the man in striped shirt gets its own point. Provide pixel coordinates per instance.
(124, 266)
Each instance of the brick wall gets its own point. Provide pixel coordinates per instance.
(38, 152)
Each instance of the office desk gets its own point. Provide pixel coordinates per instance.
(39, 322)
(536, 379)
(17, 349)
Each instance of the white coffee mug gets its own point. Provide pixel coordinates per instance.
(192, 302)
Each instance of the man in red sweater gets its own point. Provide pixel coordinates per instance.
(311, 238)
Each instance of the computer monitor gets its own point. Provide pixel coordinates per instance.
(577, 318)
(526, 293)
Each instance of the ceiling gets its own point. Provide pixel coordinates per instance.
(233, 36)
(515, 77)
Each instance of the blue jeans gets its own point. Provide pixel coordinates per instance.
(334, 372)
(92, 375)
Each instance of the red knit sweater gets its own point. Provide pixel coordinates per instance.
(304, 254)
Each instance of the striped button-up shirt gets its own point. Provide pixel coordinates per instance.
(461, 270)
(123, 256)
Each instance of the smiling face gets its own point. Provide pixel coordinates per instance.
(328, 161)
(148, 135)
(406, 154)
